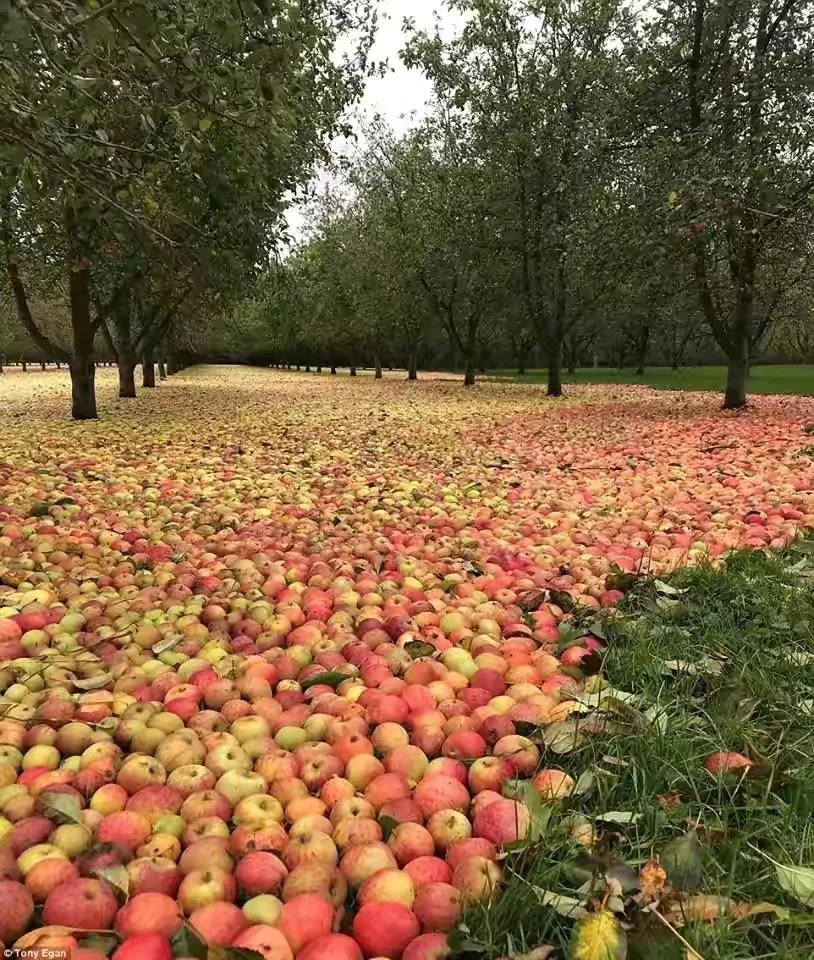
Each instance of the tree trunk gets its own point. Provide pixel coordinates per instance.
(471, 348)
(83, 388)
(24, 365)
(736, 376)
(162, 370)
(147, 368)
(319, 369)
(127, 377)
(412, 363)
(377, 362)
(42, 365)
(555, 369)
(333, 370)
(83, 367)
(353, 371)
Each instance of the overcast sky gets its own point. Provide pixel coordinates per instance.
(401, 95)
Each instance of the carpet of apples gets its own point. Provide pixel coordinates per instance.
(266, 639)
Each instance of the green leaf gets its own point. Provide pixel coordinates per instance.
(388, 825)
(62, 808)
(417, 649)
(204, 124)
(331, 678)
(540, 812)
(115, 875)
(563, 737)
(798, 881)
(188, 943)
(40, 509)
(564, 905)
(105, 943)
(683, 860)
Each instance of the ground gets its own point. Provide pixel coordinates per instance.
(773, 378)
(596, 524)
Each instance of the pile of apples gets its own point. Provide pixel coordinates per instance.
(286, 772)
(269, 652)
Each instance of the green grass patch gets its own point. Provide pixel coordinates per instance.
(774, 378)
(743, 636)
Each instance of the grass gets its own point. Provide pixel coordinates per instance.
(776, 378)
(755, 618)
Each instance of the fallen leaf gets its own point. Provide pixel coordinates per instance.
(684, 862)
(564, 905)
(622, 817)
(798, 881)
(598, 936)
(652, 881)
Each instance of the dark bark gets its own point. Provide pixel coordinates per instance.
(319, 369)
(642, 342)
(555, 369)
(377, 364)
(471, 348)
(307, 367)
(82, 364)
(333, 370)
(83, 387)
(737, 373)
(412, 363)
(122, 344)
(127, 378)
(147, 368)
(42, 365)
(162, 370)
(24, 365)
(353, 371)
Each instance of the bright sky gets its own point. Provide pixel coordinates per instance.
(401, 95)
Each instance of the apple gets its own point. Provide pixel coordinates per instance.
(334, 946)
(266, 940)
(218, 923)
(82, 904)
(438, 906)
(210, 851)
(110, 798)
(199, 888)
(363, 860)
(384, 929)
(205, 803)
(263, 908)
(125, 828)
(143, 946)
(235, 784)
(409, 841)
(305, 918)
(440, 792)
(47, 875)
(260, 872)
(553, 784)
(17, 909)
(477, 878)
(154, 875)
(31, 856)
(309, 847)
(391, 886)
(149, 913)
(473, 847)
(429, 946)
(447, 826)
(191, 778)
(258, 807)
